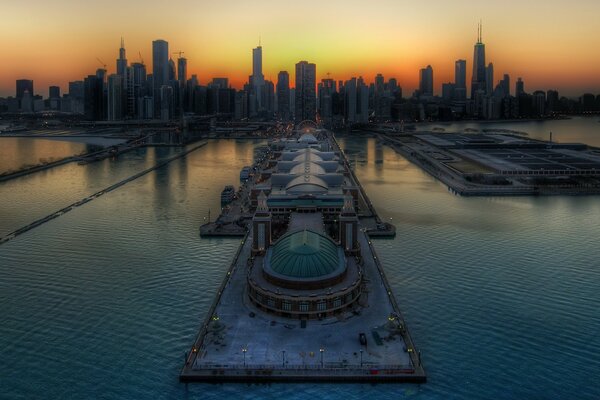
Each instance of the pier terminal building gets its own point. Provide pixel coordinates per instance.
(313, 269)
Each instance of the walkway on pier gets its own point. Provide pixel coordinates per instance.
(81, 202)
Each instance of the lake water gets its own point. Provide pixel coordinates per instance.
(574, 130)
(16, 153)
(501, 294)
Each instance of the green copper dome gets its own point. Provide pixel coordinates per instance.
(305, 255)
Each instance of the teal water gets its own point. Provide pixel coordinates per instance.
(501, 294)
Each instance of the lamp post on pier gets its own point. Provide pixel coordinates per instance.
(283, 358)
(322, 350)
(361, 354)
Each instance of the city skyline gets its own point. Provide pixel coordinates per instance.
(546, 58)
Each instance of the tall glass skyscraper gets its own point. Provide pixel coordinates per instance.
(426, 81)
(306, 97)
(460, 80)
(257, 80)
(283, 95)
(160, 70)
(479, 69)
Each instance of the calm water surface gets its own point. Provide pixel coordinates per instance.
(501, 294)
(574, 130)
(16, 153)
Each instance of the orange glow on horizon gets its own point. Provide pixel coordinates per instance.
(343, 38)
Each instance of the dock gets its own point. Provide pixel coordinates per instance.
(370, 342)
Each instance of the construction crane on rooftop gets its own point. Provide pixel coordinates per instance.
(179, 53)
(141, 59)
(101, 62)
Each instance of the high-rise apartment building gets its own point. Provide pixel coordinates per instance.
(160, 71)
(306, 99)
(283, 95)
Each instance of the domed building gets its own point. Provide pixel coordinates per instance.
(305, 274)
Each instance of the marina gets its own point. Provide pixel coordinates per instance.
(305, 298)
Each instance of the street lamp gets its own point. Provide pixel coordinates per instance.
(361, 352)
(244, 350)
(283, 358)
(322, 350)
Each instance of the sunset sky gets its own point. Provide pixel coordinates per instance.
(551, 43)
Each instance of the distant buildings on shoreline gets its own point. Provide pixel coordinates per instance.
(131, 93)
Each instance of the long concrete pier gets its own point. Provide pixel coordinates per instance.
(239, 342)
(87, 199)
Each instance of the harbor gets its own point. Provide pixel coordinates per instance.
(305, 297)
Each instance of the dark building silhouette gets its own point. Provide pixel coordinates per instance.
(426, 81)
(519, 87)
(160, 71)
(283, 95)
(93, 95)
(478, 80)
(460, 80)
(306, 99)
(54, 92)
(22, 86)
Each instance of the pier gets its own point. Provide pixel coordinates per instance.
(369, 341)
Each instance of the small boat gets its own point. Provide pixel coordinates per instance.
(227, 195)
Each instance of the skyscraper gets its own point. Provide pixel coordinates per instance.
(326, 91)
(172, 73)
(115, 97)
(460, 74)
(283, 95)
(54, 92)
(160, 71)
(350, 100)
(93, 97)
(122, 60)
(127, 103)
(257, 62)
(22, 86)
(479, 69)
(460, 80)
(306, 99)
(489, 79)
(182, 70)
(362, 101)
(139, 83)
(426, 81)
(257, 79)
(379, 84)
(519, 87)
(505, 85)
